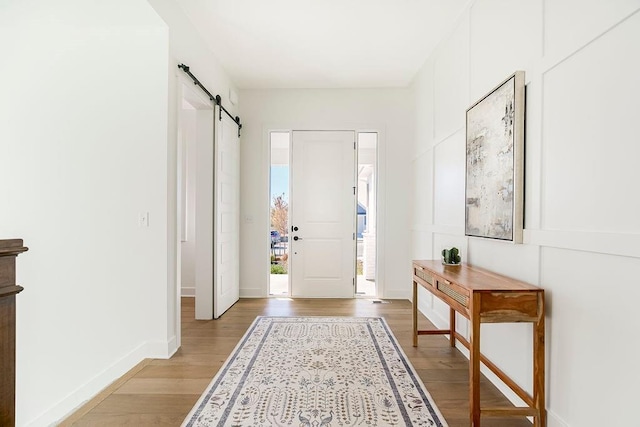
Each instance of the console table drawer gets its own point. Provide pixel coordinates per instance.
(453, 292)
(418, 272)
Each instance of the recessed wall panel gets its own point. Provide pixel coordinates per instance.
(449, 181)
(424, 100)
(570, 24)
(517, 261)
(590, 136)
(423, 190)
(421, 244)
(505, 36)
(451, 88)
(589, 299)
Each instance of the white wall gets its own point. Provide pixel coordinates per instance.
(581, 239)
(89, 129)
(83, 116)
(387, 111)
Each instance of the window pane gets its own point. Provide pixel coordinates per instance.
(279, 214)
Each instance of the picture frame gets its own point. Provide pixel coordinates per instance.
(494, 171)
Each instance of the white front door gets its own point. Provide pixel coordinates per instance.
(226, 282)
(322, 226)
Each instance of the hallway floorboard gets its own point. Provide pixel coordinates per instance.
(162, 392)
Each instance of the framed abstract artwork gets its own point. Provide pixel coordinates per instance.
(495, 161)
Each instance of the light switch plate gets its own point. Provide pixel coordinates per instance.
(143, 219)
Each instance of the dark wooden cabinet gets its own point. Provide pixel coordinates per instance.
(9, 250)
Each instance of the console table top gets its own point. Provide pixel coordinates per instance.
(475, 278)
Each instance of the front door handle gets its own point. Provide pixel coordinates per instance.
(296, 238)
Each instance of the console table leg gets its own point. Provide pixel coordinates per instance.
(452, 327)
(415, 313)
(474, 362)
(539, 366)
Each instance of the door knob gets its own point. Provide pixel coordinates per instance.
(294, 228)
(296, 238)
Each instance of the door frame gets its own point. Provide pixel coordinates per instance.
(186, 91)
(380, 190)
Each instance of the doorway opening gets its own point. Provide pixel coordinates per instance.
(279, 213)
(363, 225)
(195, 118)
(366, 251)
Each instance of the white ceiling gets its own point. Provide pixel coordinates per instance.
(322, 43)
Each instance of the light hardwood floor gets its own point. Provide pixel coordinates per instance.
(161, 392)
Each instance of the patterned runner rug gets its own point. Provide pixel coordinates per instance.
(316, 371)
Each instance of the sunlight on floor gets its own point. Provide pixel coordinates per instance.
(279, 285)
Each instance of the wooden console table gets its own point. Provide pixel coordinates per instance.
(486, 297)
(9, 249)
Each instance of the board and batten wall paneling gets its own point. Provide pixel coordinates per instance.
(582, 237)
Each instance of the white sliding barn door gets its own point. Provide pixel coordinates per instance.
(226, 215)
(322, 235)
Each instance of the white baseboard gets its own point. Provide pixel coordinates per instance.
(70, 403)
(251, 293)
(554, 420)
(188, 291)
(396, 295)
(160, 349)
(172, 347)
